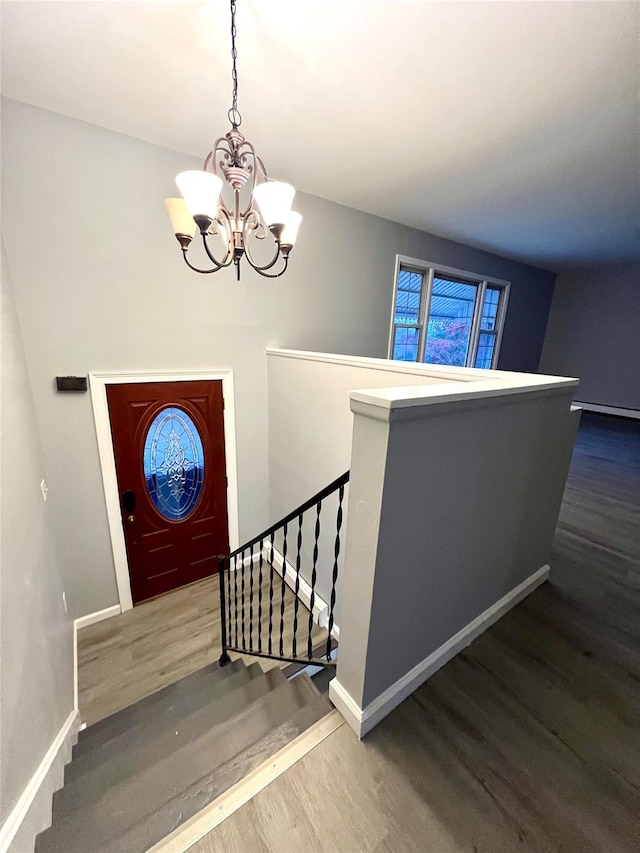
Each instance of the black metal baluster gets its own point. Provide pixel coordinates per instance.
(283, 588)
(260, 597)
(335, 570)
(244, 641)
(270, 639)
(235, 597)
(251, 598)
(314, 576)
(235, 615)
(296, 601)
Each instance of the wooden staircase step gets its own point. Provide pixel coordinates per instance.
(168, 716)
(147, 745)
(164, 820)
(100, 820)
(205, 679)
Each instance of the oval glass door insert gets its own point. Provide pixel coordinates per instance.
(173, 461)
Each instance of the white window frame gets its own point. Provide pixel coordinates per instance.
(429, 271)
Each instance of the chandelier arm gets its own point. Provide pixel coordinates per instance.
(245, 240)
(226, 261)
(210, 255)
(195, 269)
(262, 166)
(272, 275)
(256, 266)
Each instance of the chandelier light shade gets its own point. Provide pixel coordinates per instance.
(232, 200)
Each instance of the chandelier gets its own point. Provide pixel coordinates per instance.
(257, 206)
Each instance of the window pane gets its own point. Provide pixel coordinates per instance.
(450, 319)
(405, 344)
(490, 308)
(486, 345)
(408, 297)
(173, 462)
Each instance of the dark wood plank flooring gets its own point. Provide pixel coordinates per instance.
(527, 741)
(127, 657)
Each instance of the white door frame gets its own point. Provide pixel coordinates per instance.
(98, 381)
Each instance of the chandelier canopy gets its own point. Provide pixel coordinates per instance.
(257, 206)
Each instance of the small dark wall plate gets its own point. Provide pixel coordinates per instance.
(71, 383)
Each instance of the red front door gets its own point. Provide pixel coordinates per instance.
(168, 440)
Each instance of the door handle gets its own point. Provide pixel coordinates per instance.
(129, 505)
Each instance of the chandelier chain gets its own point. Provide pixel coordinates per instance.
(234, 113)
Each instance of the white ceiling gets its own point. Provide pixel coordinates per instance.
(512, 126)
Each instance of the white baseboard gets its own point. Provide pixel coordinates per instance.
(362, 720)
(32, 813)
(98, 616)
(609, 410)
(320, 607)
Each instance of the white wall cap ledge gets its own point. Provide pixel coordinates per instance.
(404, 397)
(465, 383)
(455, 374)
(439, 371)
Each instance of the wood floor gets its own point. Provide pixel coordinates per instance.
(527, 741)
(127, 657)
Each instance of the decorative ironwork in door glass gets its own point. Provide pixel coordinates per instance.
(173, 461)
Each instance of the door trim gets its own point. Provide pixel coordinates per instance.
(98, 381)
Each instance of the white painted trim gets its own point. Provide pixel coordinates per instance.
(98, 616)
(477, 382)
(501, 321)
(609, 410)
(186, 835)
(362, 720)
(347, 705)
(473, 276)
(396, 273)
(476, 321)
(62, 741)
(320, 607)
(383, 403)
(98, 381)
(461, 374)
(76, 703)
(429, 270)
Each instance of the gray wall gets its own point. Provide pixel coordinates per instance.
(36, 681)
(451, 507)
(100, 286)
(309, 451)
(594, 333)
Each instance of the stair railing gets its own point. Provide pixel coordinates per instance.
(243, 617)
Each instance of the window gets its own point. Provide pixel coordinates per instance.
(445, 316)
(173, 462)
